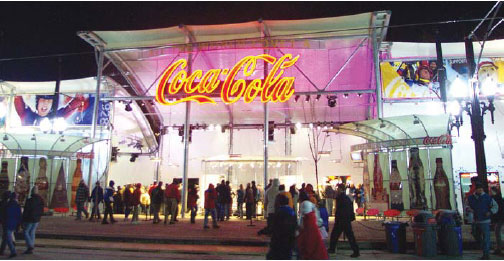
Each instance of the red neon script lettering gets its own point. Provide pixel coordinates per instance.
(274, 88)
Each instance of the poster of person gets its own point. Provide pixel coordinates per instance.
(76, 109)
(419, 79)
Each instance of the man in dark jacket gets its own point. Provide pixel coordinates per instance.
(157, 195)
(343, 222)
(3, 219)
(482, 206)
(108, 198)
(283, 231)
(96, 198)
(13, 221)
(498, 219)
(240, 196)
(33, 210)
(81, 196)
(228, 200)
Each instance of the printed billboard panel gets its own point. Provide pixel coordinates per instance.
(419, 79)
(76, 109)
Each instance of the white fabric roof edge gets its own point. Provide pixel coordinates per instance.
(357, 24)
(83, 85)
(410, 51)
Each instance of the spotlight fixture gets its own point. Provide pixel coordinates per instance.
(416, 120)
(134, 156)
(271, 131)
(331, 101)
(318, 97)
(359, 94)
(128, 107)
(307, 98)
(345, 95)
(310, 125)
(382, 125)
(296, 98)
(142, 104)
(33, 137)
(5, 138)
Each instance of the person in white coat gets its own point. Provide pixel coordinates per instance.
(269, 202)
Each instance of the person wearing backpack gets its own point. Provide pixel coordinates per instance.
(498, 219)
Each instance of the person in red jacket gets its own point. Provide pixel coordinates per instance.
(172, 195)
(135, 202)
(192, 199)
(210, 198)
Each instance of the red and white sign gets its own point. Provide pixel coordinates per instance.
(84, 155)
(441, 140)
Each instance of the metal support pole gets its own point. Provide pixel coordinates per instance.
(186, 158)
(477, 125)
(376, 61)
(441, 73)
(266, 126)
(95, 111)
(288, 146)
(230, 168)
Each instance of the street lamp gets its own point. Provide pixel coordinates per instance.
(468, 100)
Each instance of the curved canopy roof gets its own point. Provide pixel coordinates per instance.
(409, 127)
(335, 56)
(45, 144)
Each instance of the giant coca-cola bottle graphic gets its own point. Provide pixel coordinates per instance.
(4, 177)
(416, 180)
(378, 192)
(396, 200)
(441, 186)
(77, 177)
(59, 200)
(41, 182)
(22, 181)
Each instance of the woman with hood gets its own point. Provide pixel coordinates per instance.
(210, 198)
(309, 241)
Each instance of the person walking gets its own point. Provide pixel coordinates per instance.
(482, 206)
(228, 200)
(240, 196)
(33, 210)
(498, 219)
(3, 219)
(256, 199)
(172, 194)
(192, 201)
(310, 243)
(329, 197)
(13, 221)
(96, 198)
(135, 202)
(81, 196)
(210, 198)
(249, 201)
(108, 198)
(295, 197)
(269, 204)
(118, 201)
(343, 222)
(127, 199)
(157, 195)
(283, 236)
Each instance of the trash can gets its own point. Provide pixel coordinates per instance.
(449, 232)
(424, 234)
(395, 233)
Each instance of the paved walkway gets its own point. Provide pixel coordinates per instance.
(233, 232)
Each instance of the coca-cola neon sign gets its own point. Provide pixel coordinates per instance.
(202, 87)
(441, 140)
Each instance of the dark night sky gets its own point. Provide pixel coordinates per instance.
(37, 29)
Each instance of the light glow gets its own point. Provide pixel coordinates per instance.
(45, 125)
(459, 88)
(453, 108)
(60, 125)
(274, 88)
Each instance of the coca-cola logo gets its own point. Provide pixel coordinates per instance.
(441, 140)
